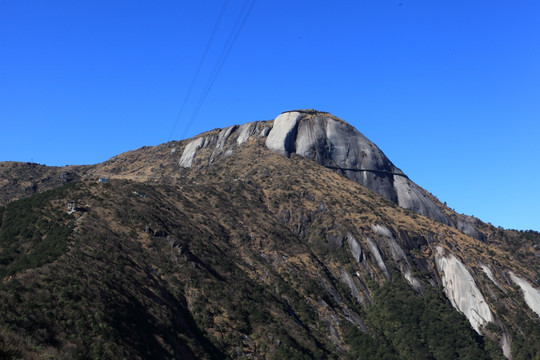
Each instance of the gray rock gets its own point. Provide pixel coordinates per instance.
(489, 274)
(530, 294)
(381, 230)
(264, 132)
(190, 151)
(467, 226)
(460, 288)
(283, 134)
(285, 216)
(374, 249)
(68, 176)
(245, 131)
(398, 255)
(353, 318)
(337, 145)
(412, 197)
(224, 135)
(349, 281)
(354, 247)
(332, 143)
(334, 240)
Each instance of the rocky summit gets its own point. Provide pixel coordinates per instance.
(292, 238)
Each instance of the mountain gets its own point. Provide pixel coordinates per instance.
(295, 238)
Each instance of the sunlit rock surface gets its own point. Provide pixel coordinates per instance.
(489, 274)
(467, 226)
(530, 294)
(398, 255)
(337, 145)
(461, 290)
(245, 131)
(354, 247)
(411, 197)
(190, 151)
(349, 281)
(282, 137)
(374, 249)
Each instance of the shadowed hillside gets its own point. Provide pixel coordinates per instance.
(247, 253)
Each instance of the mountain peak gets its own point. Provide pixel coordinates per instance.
(259, 240)
(337, 145)
(325, 139)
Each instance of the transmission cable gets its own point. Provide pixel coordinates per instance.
(199, 66)
(239, 24)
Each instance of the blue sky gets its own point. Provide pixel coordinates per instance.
(449, 90)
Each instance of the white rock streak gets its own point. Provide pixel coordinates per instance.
(245, 131)
(189, 152)
(460, 288)
(530, 294)
(489, 274)
(283, 135)
(354, 247)
(374, 249)
(398, 255)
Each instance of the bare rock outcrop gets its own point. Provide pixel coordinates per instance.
(281, 138)
(354, 247)
(190, 151)
(332, 143)
(374, 249)
(530, 294)
(339, 146)
(460, 288)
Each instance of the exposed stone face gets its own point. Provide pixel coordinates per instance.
(224, 136)
(467, 226)
(347, 279)
(245, 131)
(461, 290)
(334, 240)
(374, 249)
(398, 255)
(489, 274)
(220, 146)
(190, 151)
(334, 144)
(285, 216)
(281, 138)
(337, 145)
(530, 294)
(354, 247)
(381, 230)
(411, 197)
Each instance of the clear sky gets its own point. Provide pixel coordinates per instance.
(449, 90)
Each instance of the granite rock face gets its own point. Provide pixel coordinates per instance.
(462, 291)
(282, 137)
(339, 146)
(331, 142)
(376, 253)
(189, 152)
(530, 294)
(354, 247)
(398, 255)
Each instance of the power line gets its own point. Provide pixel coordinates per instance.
(239, 24)
(199, 66)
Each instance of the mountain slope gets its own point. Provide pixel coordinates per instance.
(246, 252)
